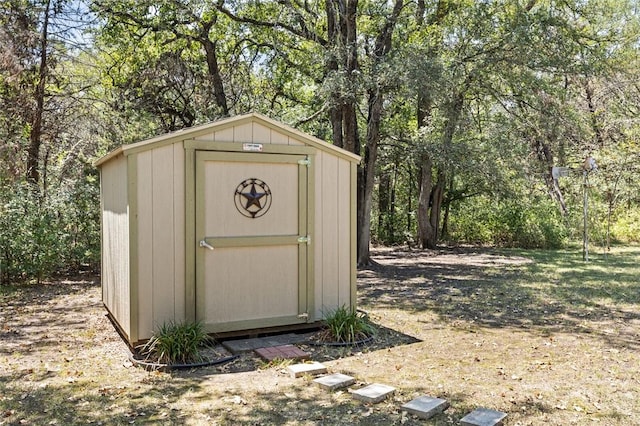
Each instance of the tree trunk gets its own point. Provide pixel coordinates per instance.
(384, 201)
(391, 211)
(214, 69)
(546, 157)
(342, 55)
(335, 116)
(437, 194)
(368, 174)
(375, 102)
(35, 137)
(593, 114)
(447, 209)
(425, 230)
(438, 191)
(331, 67)
(409, 233)
(349, 116)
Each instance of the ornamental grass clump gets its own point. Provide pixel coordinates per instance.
(176, 343)
(347, 325)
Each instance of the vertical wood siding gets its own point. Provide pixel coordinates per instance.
(332, 234)
(115, 241)
(161, 242)
(250, 132)
(343, 187)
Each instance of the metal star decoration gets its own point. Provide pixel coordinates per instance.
(253, 198)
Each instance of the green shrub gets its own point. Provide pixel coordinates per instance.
(469, 222)
(45, 235)
(176, 343)
(626, 227)
(348, 325)
(512, 223)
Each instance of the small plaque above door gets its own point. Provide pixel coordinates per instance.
(255, 147)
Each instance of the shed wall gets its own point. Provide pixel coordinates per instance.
(160, 237)
(115, 241)
(333, 254)
(250, 132)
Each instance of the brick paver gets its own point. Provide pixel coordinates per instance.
(282, 352)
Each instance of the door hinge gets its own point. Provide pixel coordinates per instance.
(305, 162)
(306, 239)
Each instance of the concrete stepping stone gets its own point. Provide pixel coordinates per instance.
(373, 393)
(334, 381)
(238, 346)
(483, 417)
(425, 407)
(282, 352)
(311, 368)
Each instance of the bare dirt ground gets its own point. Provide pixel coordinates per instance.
(529, 336)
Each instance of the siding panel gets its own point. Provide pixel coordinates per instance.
(261, 134)
(115, 241)
(318, 237)
(330, 218)
(343, 186)
(145, 244)
(243, 133)
(179, 231)
(224, 135)
(278, 137)
(163, 239)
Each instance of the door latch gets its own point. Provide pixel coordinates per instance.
(205, 244)
(304, 240)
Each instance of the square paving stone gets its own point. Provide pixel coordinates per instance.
(425, 407)
(373, 393)
(334, 381)
(311, 368)
(247, 345)
(282, 352)
(483, 417)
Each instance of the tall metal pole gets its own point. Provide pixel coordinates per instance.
(585, 233)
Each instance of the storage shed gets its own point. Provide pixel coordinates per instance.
(241, 224)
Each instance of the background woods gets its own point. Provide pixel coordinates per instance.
(460, 110)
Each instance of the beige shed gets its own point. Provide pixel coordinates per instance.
(241, 224)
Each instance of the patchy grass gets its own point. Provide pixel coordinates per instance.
(541, 335)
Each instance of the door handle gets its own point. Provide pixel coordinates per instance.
(204, 244)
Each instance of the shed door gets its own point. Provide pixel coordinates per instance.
(251, 223)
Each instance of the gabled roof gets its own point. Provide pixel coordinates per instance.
(194, 132)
